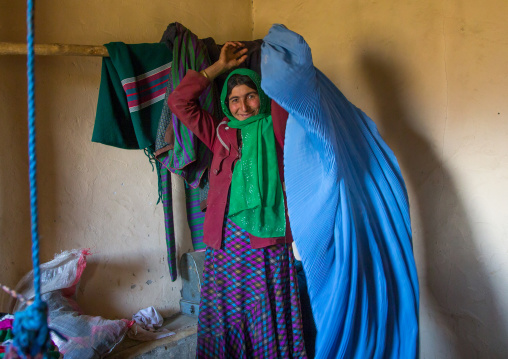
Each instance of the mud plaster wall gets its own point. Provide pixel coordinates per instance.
(91, 195)
(433, 76)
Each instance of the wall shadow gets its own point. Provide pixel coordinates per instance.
(461, 296)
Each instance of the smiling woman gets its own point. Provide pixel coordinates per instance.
(249, 298)
(242, 97)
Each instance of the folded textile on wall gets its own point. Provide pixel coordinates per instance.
(131, 94)
(348, 208)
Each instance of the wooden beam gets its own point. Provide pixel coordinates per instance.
(7, 48)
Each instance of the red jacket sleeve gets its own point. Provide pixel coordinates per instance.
(184, 103)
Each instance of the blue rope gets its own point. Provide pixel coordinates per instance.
(32, 155)
(30, 327)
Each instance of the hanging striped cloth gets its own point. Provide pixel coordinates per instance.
(189, 157)
(131, 94)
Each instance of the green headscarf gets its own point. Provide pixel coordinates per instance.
(256, 201)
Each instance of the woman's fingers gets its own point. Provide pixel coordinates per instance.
(241, 52)
(233, 44)
(241, 60)
(241, 56)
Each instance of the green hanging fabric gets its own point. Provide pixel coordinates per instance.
(131, 94)
(256, 201)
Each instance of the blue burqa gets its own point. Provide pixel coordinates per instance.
(348, 208)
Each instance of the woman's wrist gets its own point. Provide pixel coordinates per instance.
(212, 71)
(203, 72)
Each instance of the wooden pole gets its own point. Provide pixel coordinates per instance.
(7, 48)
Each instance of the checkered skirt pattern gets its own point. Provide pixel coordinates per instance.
(249, 301)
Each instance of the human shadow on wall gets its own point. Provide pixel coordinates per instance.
(461, 296)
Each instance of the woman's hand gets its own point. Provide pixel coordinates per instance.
(232, 54)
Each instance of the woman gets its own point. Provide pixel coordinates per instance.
(249, 299)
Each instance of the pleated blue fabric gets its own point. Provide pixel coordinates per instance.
(348, 208)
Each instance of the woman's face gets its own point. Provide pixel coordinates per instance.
(243, 102)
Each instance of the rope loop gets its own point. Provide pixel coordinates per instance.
(31, 334)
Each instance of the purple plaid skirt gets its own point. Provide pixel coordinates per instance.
(250, 306)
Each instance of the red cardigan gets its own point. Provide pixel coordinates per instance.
(223, 142)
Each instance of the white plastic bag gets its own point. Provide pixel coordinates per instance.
(88, 337)
(63, 272)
